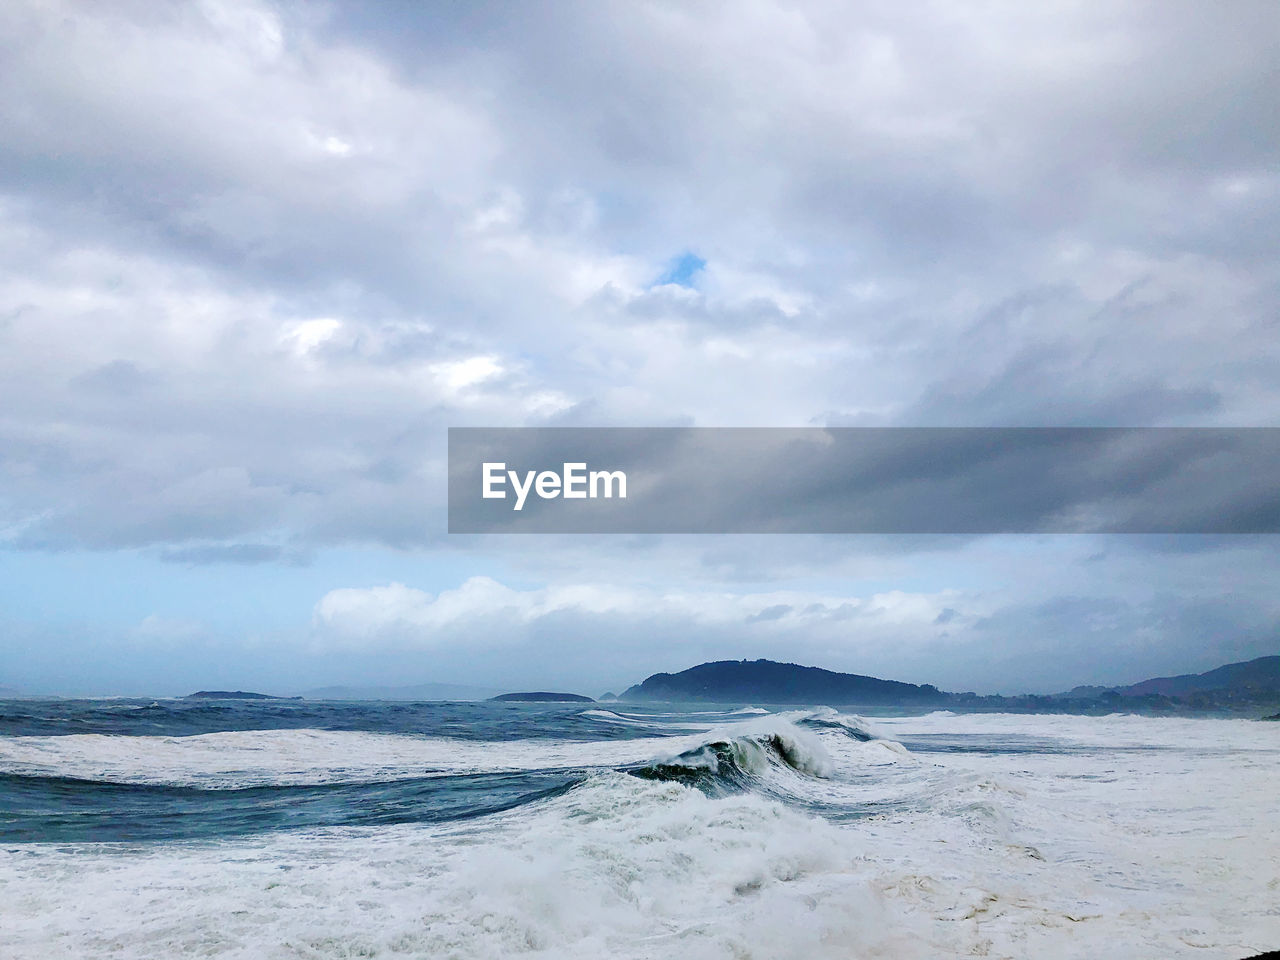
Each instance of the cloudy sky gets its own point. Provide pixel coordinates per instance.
(255, 258)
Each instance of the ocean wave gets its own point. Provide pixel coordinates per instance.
(239, 759)
(237, 782)
(235, 760)
(853, 726)
(617, 867)
(1035, 854)
(637, 869)
(829, 767)
(737, 762)
(610, 716)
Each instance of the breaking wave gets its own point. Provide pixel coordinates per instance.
(801, 835)
(736, 763)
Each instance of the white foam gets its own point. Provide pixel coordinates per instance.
(1147, 838)
(803, 751)
(609, 716)
(239, 759)
(621, 867)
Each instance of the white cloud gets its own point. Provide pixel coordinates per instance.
(482, 611)
(256, 257)
(303, 336)
(457, 375)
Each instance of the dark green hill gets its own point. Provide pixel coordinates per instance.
(765, 681)
(1252, 676)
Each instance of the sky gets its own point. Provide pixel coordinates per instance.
(256, 258)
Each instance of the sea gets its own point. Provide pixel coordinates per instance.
(320, 830)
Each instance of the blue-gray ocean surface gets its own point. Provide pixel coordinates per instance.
(275, 828)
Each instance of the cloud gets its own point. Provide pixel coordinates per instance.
(238, 553)
(1011, 640)
(357, 246)
(403, 613)
(257, 257)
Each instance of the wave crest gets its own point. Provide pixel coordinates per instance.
(739, 761)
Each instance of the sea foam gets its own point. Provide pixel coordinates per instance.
(1115, 837)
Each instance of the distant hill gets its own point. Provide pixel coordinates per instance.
(233, 695)
(420, 691)
(1089, 692)
(1261, 675)
(541, 697)
(766, 681)
(1234, 689)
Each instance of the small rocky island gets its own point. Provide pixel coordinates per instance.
(541, 697)
(233, 695)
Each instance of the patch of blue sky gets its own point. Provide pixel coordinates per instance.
(121, 588)
(682, 271)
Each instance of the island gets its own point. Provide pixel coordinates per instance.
(540, 696)
(233, 695)
(767, 681)
(1233, 689)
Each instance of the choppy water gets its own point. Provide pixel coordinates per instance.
(263, 829)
